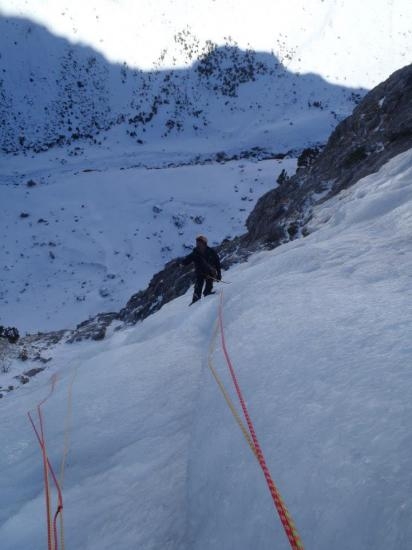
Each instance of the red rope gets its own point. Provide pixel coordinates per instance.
(46, 468)
(285, 518)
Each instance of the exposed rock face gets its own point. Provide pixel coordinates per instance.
(172, 281)
(379, 129)
(32, 348)
(92, 329)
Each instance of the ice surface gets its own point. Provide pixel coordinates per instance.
(319, 331)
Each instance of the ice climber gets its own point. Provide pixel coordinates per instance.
(207, 267)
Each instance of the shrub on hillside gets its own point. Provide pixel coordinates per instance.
(10, 333)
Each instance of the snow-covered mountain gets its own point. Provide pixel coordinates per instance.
(126, 128)
(75, 126)
(349, 43)
(97, 123)
(55, 93)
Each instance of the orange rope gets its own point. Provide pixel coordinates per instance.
(226, 395)
(67, 430)
(52, 539)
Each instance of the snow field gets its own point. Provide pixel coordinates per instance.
(84, 249)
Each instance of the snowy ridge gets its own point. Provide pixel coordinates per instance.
(319, 331)
(322, 37)
(55, 93)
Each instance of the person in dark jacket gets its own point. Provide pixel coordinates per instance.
(207, 267)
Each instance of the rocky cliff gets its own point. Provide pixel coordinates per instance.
(379, 129)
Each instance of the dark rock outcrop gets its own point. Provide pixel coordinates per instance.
(92, 329)
(379, 129)
(172, 281)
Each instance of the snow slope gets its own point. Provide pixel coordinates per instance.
(319, 333)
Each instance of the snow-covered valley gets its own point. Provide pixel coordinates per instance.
(82, 238)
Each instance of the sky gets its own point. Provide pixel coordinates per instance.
(321, 36)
